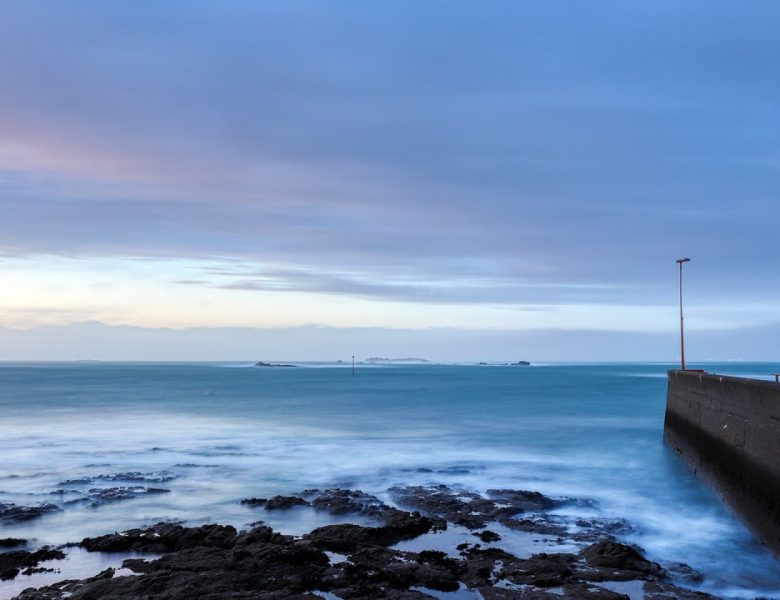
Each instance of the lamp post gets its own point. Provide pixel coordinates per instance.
(681, 261)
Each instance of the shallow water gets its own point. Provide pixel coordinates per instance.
(213, 434)
(78, 564)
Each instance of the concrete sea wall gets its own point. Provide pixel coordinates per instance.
(727, 429)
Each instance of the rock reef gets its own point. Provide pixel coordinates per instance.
(21, 561)
(13, 513)
(352, 561)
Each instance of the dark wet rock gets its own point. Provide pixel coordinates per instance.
(342, 502)
(491, 565)
(374, 566)
(262, 564)
(12, 542)
(136, 565)
(572, 573)
(380, 592)
(492, 593)
(11, 563)
(590, 592)
(469, 508)
(11, 513)
(605, 526)
(540, 570)
(262, 534)
(462, 508)
(540, 524)
(375, 572)
(79, 500)
(95, 497)
(659, 590)
(614, 555)
(683, 572)
(347, 537)
(338, 501)
(284, 502)
(454, 471)
(254, 501)
(413, 523)
(63, 492)
(488, 536)
(129, 476)
(568, 592)
(212, 562)
(335, 501)
(98, 496)
(595, 529)
(522, 500)
(163, 537)
(439, 558)
(480, 564)
(608, 560)
(404, 525)
(155, 477)
(219, 451)
(76, 481)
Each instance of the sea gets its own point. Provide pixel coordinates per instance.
(213, 434)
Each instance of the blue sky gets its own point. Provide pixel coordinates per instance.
(517, 176)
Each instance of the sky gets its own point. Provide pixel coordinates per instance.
(310, 180)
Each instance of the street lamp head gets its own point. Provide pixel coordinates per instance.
(683, 260)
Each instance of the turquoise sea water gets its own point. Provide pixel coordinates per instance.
(216, 433)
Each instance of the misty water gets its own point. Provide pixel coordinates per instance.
(212, 434)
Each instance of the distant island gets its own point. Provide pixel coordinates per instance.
(376, 359)
(519, 363)
(265, 364)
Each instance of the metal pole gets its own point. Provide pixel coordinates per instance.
(682, 331)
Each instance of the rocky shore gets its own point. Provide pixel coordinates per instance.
(351, 561)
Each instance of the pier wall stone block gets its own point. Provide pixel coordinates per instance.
(727, 430)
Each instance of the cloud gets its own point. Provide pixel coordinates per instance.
(428, 152)
(103, 342)
(453, 289)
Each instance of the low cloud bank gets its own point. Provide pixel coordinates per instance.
(98, 341)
